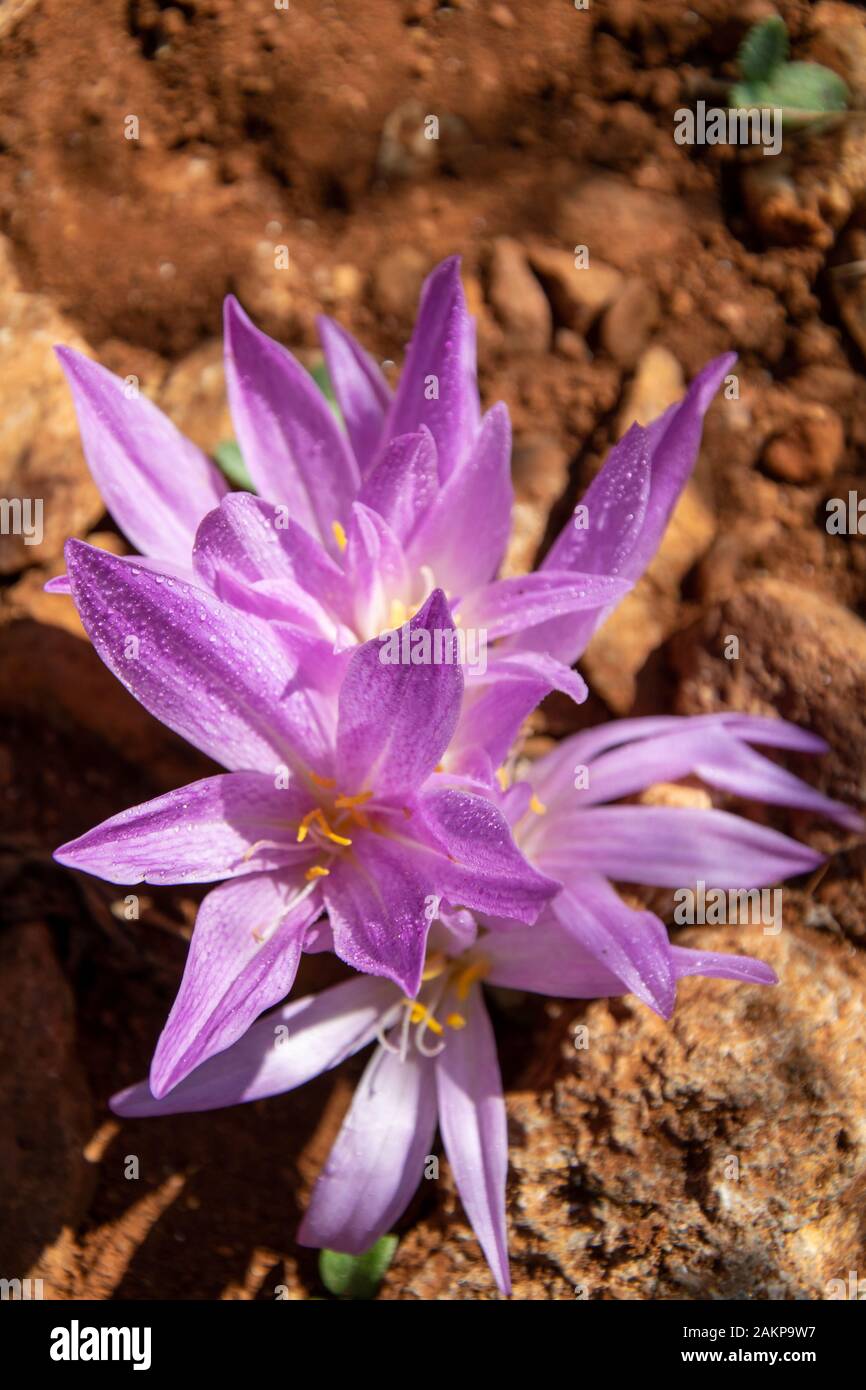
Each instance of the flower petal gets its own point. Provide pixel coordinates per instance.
(243, 958)
(290, 441)
(547, 959)
(218, 678)
(156, 484)
(220, 827)
(362, 392)
(460, 552)
(626, 523)
(403, 484)
(719, 759)
(672, 847)
(633, 945)
(251, 540)
(510, 605)
(474, 1132)
(286, 1048)
(480, 866)
(498, 700)
(378, 1158)
(380, 902)
(438, 386)
(396, 719)
(720, 965)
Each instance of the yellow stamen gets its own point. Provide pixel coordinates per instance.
(502, 778)
(344, 803)
(322, 781)
(537, 806)
(339, 534)
(318, 815)
(419, 1014)
(456, 1021)
(317, 871)
(466, 978)
(435, 964)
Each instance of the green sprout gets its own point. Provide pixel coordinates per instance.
(805, 92)
(357, 1276)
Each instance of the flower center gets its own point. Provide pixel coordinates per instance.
(444, 982)
(326, 824)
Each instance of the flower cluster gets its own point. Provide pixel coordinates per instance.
(316, 640)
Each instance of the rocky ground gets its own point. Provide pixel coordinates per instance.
(721, 1155)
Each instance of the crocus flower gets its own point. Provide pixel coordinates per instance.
(332, 802)
(565, 824)
(413, 494)
(435, 1062)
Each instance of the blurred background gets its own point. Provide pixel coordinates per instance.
(154, 157)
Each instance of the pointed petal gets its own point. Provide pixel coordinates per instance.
(396, 719)
(482, 868)
(252, 540)
(720, 760)
(375, 570)
(553, 775)
(220, 827)
(156, 484)
(671, 847)
(547, 959)
(498, 701)
(286, 1048)
(441, 358)
(243, 958)
(378, 899)
(474, 1132)
(218, 678)
(626, 523)
(289, 439)
(511, 605)
(633, 945)
(720, 965)
(404, 482)
(378, 1158)
(362, 392)
(463, 535)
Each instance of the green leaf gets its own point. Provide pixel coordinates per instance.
(229, 458)
(357, 1276)
(804, 92)
(764, 48)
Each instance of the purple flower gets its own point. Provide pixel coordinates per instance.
(564, 825)
(435, 1061)
(333, 801)
(414, 494)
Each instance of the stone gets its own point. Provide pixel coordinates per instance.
(539, 468)
(801, 657)
(41, 461)
(630, 322)
(518, 300)
(578, 295)
(810, 450)
(630, 227)
(716, 1156)
(397, 281)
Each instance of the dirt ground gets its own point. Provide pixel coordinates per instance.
(259, 128)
